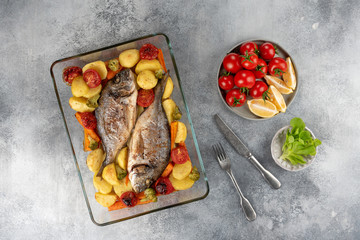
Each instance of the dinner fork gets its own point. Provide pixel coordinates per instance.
(225, 164)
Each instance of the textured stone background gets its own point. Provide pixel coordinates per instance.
(40, 194)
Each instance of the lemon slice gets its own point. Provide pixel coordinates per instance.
(290, 77)
(261, 108)
(279, 84)
(277, 99)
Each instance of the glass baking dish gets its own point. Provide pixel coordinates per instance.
(99, 214)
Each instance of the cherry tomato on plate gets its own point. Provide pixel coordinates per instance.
(232, 63)
(261, 69)
(226, 82)
(88, 120)
(249, 60)
(70, 73)
(148, 51)
(92, 78)
(259, 90)
(248, 47)
(179, 155)
(163, 186)
(245, 80)
(277, 67)
(145, 97)
(267, 51)
(235, 98)
(129, 199)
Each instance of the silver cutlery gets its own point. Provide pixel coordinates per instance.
(225, 164)
(244, 151)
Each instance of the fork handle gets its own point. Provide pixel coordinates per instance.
(271, 179)
(249, 211)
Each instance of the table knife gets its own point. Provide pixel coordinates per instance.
(244, 151)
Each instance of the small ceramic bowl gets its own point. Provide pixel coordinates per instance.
(276, 145)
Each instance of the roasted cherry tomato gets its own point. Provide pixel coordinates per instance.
(245, 80)
(249, 47)
(145, 97)
(267, 51)
(129, 199)
(277, 67)
(92, 78)
(179, 155)
(235, 98)
(261, 69)
(163, 186)
(88, 120)
(226, 82)
(148, 51)
(249, 60)
(232, 62)
(70, 73)
(259, 90)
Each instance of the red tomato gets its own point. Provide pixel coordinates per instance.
(259, 90)
(92, 78)
(129, 199)
(249, 47)
(267, 51)
(179, 155)
(249, 60)
(163, 186)
(235, 98)
(148, 51)
(70, 73)
(277, 67)
(226, 82)
(244, 79)
(145, 97)
(232, 63)
(261, 69)
(88, 120)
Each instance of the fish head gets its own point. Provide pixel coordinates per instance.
(141, 177)
(123, 83)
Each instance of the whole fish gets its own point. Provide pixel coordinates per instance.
(149, 147)
(116, 114)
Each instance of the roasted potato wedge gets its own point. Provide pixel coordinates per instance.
(144, 64)
(146, 79)
(79, 87)
(169, 106)
(181, 171)
(93, 91)
(101, 185)
(122, 158)
(109, 174)
(98, 66)
(105, 199)
(95, 159)
(183, 184)
(181, 133)
(122, 187)
(79, 104)
(169, 87)
(129, 58)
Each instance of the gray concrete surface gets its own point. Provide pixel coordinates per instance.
(40, 194)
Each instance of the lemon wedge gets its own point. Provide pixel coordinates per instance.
(279, 84)
(261, 108)
(277, 99)
(290, 77)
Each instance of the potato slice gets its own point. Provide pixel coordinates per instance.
(146, 79)
(79, 87)
(105, 199)
(129, 58)
(169, 106)
(79, 104)
(98, 66)
(95, 159)
(181, 133)
(101, 185)
(93, 91)
(122, 158)
(144, 64)
(109, 174)
(181, 171)
(168, 88)
(183, 184)
(120, 189)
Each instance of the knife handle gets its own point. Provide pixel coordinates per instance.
(271, 179)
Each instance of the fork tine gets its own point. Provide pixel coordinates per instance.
(219, 151)
(222, 150)
(216, 151)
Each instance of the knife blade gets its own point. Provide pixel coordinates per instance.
(240, 147)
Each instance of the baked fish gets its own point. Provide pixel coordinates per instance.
(149, 147)
(116, 114)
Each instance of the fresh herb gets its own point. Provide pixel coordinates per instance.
(120, 173)
(299, 143)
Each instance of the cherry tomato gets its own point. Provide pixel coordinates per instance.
(235, 98)
(148, 51)
(261, 69)
(267, 51)
(92, 78)
(145, 97)
(226, 82)
(179, 155)
(88, 120)
(232, 62)
(129, 199)
(249, 47)
(70, 73)
(259, 90)
(249, 60)
(277, 67)
(245, 80)
(163, 186)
